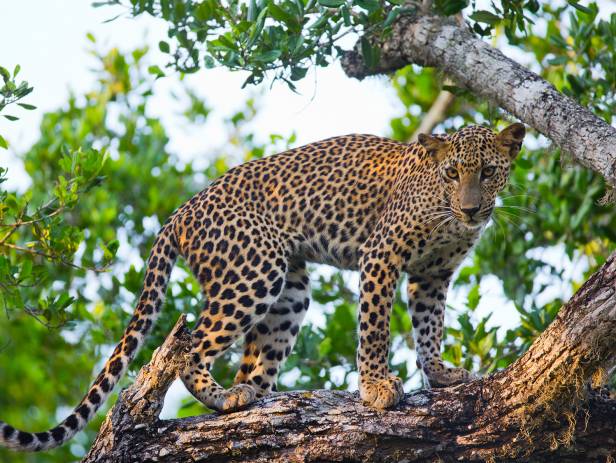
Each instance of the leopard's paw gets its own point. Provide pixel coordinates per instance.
(235, 398)
(381, 393)
(450, 376)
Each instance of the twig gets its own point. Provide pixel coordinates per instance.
(435, 115)
(53, 257)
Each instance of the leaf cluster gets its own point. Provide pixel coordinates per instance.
(12, 91)
(283, 37)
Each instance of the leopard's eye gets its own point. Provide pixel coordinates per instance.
(488, 171)
(452, 173)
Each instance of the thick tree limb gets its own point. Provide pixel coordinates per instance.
(533, 411)
(442, 43)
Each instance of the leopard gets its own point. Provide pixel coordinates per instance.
(358, 202)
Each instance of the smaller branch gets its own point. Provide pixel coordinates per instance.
(34, 313)
(8, 235)
(19, 223)
(39, 211)
(426, 6)
(52, 257)
(147, 394)
(141, 403)
(435, 115)
(36, 252)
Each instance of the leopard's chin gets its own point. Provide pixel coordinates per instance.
(472, 224)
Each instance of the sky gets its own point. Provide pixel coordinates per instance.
(48, 39)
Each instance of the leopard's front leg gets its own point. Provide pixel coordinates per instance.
(426, 302)
(378, 277)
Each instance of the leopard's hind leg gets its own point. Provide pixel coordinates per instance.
(271, 340)
(237, 299)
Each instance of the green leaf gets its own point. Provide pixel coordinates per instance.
(156, 71)
(579, 7)
(26, 269)
(252, 11)
(473, 297)
(450, 7)
(29, 107)
(16, 70)
(391, 17)
(485, 344)
(581, 213)
(11, 118)
(6, 75)
(559, 41)
(110, 249)
(225, 42)
(558, 61)
(3, 143)
(325, 347)
(209, 62)
(163, 46)
(298, 73)
(268, 56)
(369, 53)
(257, 28)
(458, 91)
(203, 11)
(369, 5)
(523, 163)
(280, 14)
(577, 84)
(332, 3)
(486, 17)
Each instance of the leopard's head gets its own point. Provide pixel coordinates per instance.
(473, 166)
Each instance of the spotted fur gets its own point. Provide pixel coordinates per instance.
(356, 202)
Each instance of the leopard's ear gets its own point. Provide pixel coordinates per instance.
(435, 147)
(509, 140)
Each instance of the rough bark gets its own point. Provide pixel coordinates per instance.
(472, 63)
(533, 411)
(139, 405)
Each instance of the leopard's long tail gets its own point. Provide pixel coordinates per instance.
(161, 261)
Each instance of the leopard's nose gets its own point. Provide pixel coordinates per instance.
(470, 211)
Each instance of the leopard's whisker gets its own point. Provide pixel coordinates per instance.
(442, 223)
(509, 219)
(433, 218)
(508, 214)
(521, 208)
(500, 226)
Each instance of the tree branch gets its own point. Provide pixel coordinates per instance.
(532, 411)
(441, 43)
(435, 115)
(139, 405)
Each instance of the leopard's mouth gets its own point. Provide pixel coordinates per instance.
(478, 221)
